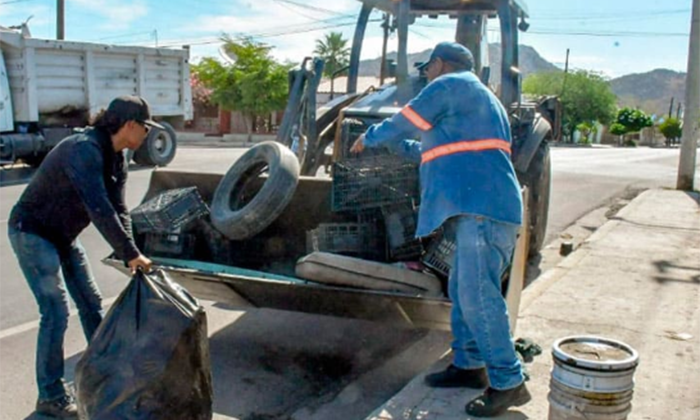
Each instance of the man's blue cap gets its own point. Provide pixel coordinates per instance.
(452, 52)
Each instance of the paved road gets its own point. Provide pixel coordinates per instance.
(265, 366)
(587, 178)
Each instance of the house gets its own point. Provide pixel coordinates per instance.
(329, 89)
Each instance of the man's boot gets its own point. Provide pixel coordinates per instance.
(454, 377)
(494, 402)
(61, 408)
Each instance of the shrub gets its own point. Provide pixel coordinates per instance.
(618, 129)
(671, 129)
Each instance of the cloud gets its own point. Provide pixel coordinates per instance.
(41, 23)
(300, 27)
(116, 15)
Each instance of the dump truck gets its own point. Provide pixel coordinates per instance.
(271, 213)
(49, 88)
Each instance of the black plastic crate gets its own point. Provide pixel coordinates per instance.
(439, 255)
(351, 129)
(175, 245)
(400, 221)
(374, 181)
(169, 211)
(362, 240)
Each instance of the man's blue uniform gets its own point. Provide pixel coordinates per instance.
(468, 187)
(453, 108)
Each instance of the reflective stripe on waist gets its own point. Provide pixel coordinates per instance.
(465, 146)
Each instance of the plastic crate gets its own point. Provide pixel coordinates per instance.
(174, 244)
(169, 211)
(374, 181)
(351, 129)
(439, 254)
(362, 240)
(400, 221)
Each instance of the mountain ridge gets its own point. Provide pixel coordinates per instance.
(649, 91)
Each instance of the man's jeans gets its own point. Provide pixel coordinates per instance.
(479, 318)
(45, 272)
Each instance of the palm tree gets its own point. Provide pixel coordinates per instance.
(334, 51)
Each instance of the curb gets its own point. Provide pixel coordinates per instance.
(412, 395)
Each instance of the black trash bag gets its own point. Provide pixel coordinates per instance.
(149, 359)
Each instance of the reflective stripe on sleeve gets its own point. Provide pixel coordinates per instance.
(465, 146)
(415, 119)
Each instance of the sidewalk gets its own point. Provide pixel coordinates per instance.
(636, 279)
(191, 139)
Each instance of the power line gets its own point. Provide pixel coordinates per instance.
(313, 8)
(216, 40)
(597, 33)
(291, 9)
(608, 33)
(125, 35)
(605, 15)
(14, 1)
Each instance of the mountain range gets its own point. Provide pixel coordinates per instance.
(651, 91)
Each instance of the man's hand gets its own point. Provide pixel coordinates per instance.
(140, 261)
(359, 145)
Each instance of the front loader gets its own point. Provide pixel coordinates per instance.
(533, 124)
(289, 242)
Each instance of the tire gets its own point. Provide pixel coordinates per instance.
(237, 213)
(538, 179)
(159, 148)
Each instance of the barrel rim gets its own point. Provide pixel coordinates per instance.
(628, 363)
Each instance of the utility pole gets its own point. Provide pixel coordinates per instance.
(670, 108)
(60, 19)
(563, 88)
(691, 120)
(566, 71)
(382, 70)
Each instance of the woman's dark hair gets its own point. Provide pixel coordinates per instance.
(107, 121)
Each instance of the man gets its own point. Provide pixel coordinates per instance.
(81, 180)
(469, 188)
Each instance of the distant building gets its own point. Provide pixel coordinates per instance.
(340, 84)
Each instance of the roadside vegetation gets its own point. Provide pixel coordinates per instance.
(253, 82)
(586, 98)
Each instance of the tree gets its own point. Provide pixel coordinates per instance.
(586, 96)
(587, 128)
(255, 84)
(201, 95)
(628, 121)
(671, 129)
(334, 51)
(633, 120)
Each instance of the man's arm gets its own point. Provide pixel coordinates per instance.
(408, 149)
(85, 168)
(420, 115)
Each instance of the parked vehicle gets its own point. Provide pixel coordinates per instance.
(48, 88)
(252, 252)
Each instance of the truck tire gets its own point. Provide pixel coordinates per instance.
(159, 148)
(239, 213)
(538, 179)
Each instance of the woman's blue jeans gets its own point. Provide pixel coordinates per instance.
(480, 326)
(49, 275)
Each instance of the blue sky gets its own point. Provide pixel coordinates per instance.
(615, 37)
